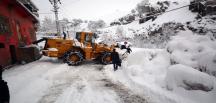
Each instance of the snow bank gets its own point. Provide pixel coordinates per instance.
(144, 71)
(28, 83)
(196, 51)
(149, 72)
(188, 78)
(153, 62)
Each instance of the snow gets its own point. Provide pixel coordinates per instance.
(182, 15)
(148, 71)
(27, 85)
(183, 72)
(48, 80)
(193, 50)
(52, 49)
(145, 72)
(182, 76)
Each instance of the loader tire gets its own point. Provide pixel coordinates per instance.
(74, 58)
(106, 58)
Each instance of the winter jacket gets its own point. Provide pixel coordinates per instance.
(123, 47)
(129, 50)
(115, 58)
(4, 92)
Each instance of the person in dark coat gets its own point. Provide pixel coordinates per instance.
(129, 49)
(64, 34)
(4, 90)
(123, 47)
(115, 59)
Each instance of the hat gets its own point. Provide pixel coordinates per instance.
(114, 49)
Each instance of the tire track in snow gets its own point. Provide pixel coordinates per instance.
(28, 82)
(65, 79)
(90, 81)
(60, 82)
(126, 95)
(55, 91)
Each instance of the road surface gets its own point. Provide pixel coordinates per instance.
(51, 81)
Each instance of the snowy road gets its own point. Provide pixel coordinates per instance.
(49, 81)
(141, 79)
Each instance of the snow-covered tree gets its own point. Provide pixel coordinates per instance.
(48, 25)
(94, 25)
(76, 22)
(64, 24)
(120, 32)
(143, 7)
(133, 11)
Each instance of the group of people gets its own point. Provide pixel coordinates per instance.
(4, 90)
(116, 61)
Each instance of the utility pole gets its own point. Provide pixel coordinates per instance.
(55, 6)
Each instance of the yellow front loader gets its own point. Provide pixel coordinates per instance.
(74, 52)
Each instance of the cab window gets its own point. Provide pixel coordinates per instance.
(88, 38)
(78, 36)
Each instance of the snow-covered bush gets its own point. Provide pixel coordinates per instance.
(204, 25)
(144, 9)
(196, 51)
(120, 33)
(158, 36)
(188, 78)
(147, 6)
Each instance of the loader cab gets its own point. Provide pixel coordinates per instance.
(86, 38)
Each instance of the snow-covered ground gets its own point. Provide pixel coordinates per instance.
(148, 71)
(50, 81)
(183, 72)
(146, 76)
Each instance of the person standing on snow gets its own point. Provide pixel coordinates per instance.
(64, 34)
(124, 46)
(115, 59)
(129, 49)
(4, 91)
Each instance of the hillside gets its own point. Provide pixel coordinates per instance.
(157, 31)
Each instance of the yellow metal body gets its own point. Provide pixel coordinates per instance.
(58, 47)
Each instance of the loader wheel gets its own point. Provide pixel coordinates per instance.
(74, 58)
(106, 58)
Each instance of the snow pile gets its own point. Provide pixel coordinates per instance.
(196, 51)
(179, 73)
(150, 72)
(27, 83)
(188, 78)
(144, 71)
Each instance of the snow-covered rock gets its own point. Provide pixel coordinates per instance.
(188, 78)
